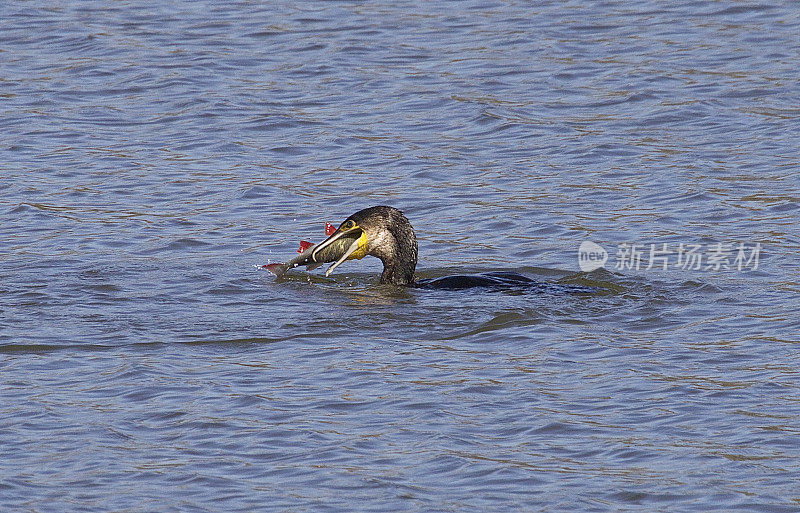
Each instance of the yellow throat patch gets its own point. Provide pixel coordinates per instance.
(361, 251)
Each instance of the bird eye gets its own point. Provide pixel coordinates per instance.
(349, 225)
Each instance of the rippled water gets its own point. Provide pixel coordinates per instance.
(153, 155)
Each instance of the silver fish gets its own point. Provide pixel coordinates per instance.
(334, 249)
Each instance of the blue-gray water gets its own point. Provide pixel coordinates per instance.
(153, 155)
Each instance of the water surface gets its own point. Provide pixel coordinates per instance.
(153, 155)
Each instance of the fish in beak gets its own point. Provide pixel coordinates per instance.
(346, 243)
(349, 237)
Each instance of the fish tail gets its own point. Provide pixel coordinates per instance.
(276, 269)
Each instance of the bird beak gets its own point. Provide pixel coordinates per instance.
(338, 234)
(353, 232)
(350, 250)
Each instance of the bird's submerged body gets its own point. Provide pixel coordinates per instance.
(384, 232)
(501, 279)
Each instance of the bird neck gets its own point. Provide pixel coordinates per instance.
(398, 252)
(398, 273)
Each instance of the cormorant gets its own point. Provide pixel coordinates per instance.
(384, 232)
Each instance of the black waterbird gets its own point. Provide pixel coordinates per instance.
(384, 232)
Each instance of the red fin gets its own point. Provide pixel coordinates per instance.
(329, 229)
(304, 245)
